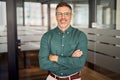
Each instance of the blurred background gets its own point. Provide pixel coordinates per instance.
(23, 22)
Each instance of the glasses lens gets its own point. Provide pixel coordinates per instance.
(65, 13)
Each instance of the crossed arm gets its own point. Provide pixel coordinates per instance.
(76, 53)
(55, 62)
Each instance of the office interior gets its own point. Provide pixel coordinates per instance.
(23, 22)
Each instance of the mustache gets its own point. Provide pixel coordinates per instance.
(63, 19)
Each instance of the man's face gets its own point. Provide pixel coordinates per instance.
(63, 16)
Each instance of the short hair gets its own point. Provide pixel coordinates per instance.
(61, 4)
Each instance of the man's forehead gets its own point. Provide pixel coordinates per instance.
(64, 8)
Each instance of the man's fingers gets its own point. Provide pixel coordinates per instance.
(77, 53)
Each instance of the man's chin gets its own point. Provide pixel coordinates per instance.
(63, 26)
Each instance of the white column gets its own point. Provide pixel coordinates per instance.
(118, 15)
(2, 16)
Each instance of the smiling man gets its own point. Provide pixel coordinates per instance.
(63, 50)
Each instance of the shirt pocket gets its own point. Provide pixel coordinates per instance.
(55, 47)
(70, 48)
(73, 46)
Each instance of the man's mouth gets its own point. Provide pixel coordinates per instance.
(63, 21)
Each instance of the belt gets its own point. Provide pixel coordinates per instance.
(74, 76)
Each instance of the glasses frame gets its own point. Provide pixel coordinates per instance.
(61, 14)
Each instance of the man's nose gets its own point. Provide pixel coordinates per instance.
(63, 15)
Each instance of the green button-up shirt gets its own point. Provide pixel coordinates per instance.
(63, 44)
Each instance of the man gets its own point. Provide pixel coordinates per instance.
(63, 50)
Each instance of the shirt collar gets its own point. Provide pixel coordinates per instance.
(67, 31)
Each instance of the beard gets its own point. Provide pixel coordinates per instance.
(63, 23)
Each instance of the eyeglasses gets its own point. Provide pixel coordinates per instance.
(65, 13)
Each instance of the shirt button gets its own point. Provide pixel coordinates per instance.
(67, 32)
(63, 36)
(62, 45)
(61, 54)
(61, 73)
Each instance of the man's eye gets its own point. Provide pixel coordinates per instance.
(66, 13)
(58, 14)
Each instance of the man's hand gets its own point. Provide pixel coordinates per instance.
(77, 53)
(53, 58)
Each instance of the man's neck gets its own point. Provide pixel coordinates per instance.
(64, 29)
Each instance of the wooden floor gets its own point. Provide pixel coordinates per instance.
(37, 74)
(32, 71)
(89, 74)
